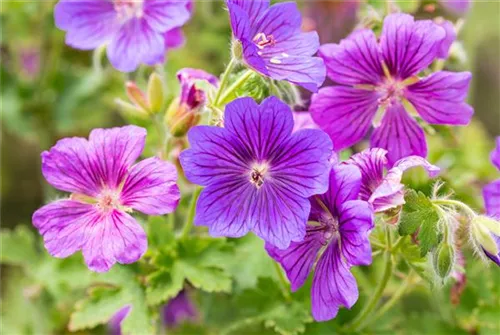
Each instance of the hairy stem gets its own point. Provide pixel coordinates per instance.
(191, 212)
(455, 203)
(224, 80)
(237, 84)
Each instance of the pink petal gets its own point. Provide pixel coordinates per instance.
(151, 187)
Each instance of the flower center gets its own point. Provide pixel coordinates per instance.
(392, 90)
(128, 9)
(258, 173)
(262, 40)
(108, 200)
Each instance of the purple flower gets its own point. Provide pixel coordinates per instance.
(115, 323)
(450, 37)
(191, 95)
(273, 43)
(303, 120)
(381, 77)
(179, 309)
(457, 7)
(105, 187)
(257, 174)
(340, 236)
(491, 192)
(385, 190)
(135, 31)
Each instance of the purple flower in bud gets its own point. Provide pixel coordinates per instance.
(491, 192)
(274, 45)
(179, 309)
(385, 190)
(257, 175)
(377, 82)
(340, 236)
(135, 31)
(106, 186)
(114, 324)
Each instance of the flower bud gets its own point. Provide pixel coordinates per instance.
(137, 97)
(180, 118)
(131, 110)
(443, 259)
(485, 233)
(289, 93)
(156, 94)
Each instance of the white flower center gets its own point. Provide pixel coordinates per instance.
(258, 173)
(108, 200)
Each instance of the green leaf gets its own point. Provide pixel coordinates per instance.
(419, 212)
(115, 289)
(408, 6)
(18, 247)
(162, 286)
(288, 320)
(209, 279)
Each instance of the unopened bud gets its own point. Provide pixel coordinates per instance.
(180, 118)
(131, 110)
(486, 233)
(137, 97)
(443, 260)
(156, 94)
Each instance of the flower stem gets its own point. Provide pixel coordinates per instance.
(283, 282)
(237, 84)
(191, 212)
(224, 80)
(455, 203)
(163, 149)
(361, 318)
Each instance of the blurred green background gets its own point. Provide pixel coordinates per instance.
(50, 91)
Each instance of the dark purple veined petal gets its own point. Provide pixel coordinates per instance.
(214, 154)
(240, 21)
(164, 15)
(491, 194)
(344, 113)
(252, 57)
(116, 149)
(116, 238)
(399, 134)
(409, 46)
(356, 221)
(262, 129)
(300, 44)
(298, 259)
(252, 8)
(151, 187)
(70, 166)
(301, 163)
(495, 154)
(135, 43)
(308, 72)
(333, 284)
(88, 23)
(281, 20)
(356, 60)
(343, 185)
(440, 98)
(371, 164)
(451, 36)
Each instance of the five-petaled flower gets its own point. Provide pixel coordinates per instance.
(339, 236)
(135, 31)
(378, 84)
(274, 45)
(258, 175)
(385, 190)
(105, 187)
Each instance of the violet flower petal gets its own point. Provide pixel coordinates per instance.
(451, 36)
(495, 154)
(491, 194)
(409, 46)
(344, 113)
(252, 8)
(164, 15)
(399, 134)
(439, 98)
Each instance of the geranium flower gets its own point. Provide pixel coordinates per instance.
(385, 190)
(135, 31)
(340, 237)
(258, 175)
(273, 43)
(105, 187)
(381, 77)
(491, 192)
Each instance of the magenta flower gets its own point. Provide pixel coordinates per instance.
(179, 309)
(258, 175)
(385, 190)
(105, 187)
(273, 43)
(382, 77)
(491, 192)
(135, 31)
(450, 37)
(340, 237)
(191, 95)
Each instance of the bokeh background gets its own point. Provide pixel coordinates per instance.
(50, 91)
